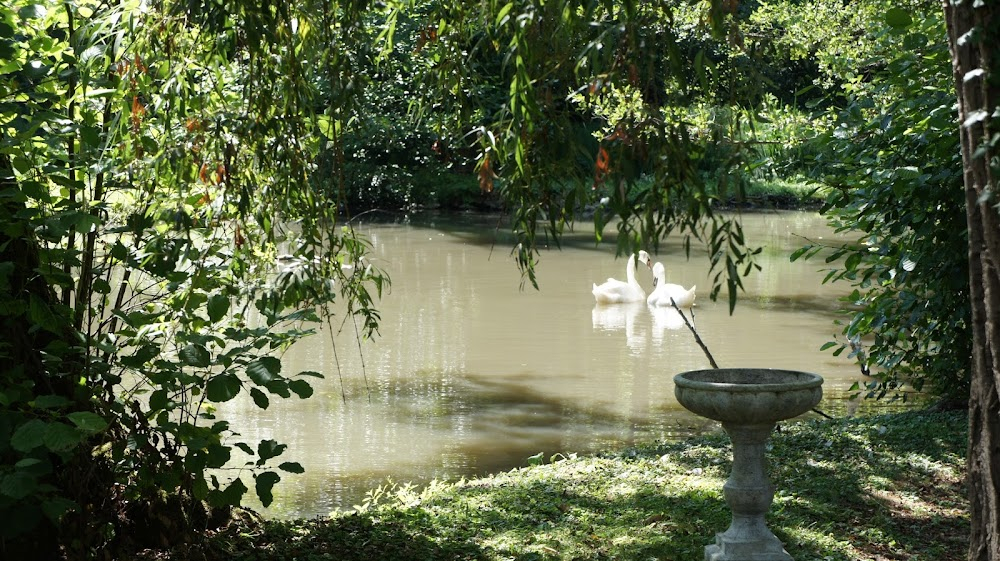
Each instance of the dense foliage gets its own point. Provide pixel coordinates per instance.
(892, 159)
(153, 158)
(594, 115)
(157, 157)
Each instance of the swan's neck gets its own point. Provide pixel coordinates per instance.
(630, 270)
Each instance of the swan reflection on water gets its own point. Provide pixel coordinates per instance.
(629, 317)
(664, 319)
(633, 319)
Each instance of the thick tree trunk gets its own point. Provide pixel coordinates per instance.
(976, 62)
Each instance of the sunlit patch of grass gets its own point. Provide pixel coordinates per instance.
(801, 539)
(878, 488)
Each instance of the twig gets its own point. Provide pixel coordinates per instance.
(361, 353)
(336, 360)
(818, 412)
(697, 339)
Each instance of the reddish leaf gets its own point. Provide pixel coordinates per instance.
(601, 166)
(486, 176)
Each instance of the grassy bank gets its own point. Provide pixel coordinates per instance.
(876, 488)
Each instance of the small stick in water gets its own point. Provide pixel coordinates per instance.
(697, 339)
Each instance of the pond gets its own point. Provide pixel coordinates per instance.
(472, 375)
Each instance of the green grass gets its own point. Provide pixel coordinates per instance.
(776, 193)
(883, 488)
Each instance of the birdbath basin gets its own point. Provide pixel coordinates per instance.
(749, 402)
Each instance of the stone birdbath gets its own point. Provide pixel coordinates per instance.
(748, 402)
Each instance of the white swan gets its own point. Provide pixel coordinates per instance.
(615, 291)
(664, 291)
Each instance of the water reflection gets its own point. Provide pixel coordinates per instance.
(471, 375)
(666, 319)
(625, 318)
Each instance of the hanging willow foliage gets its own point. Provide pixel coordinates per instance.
(571, 103)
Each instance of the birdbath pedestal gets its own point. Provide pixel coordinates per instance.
(748, 402)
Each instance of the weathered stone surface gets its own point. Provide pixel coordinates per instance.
(748, 402)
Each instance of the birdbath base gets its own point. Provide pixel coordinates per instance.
(748, 493)
(749, 403)
(757, 544)
(746, 551)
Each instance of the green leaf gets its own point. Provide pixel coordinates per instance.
(32, 11)
(222, 388)
(504, 11)
(279, 387)
(291, 467)
(799, 253)
(828, 345)
(50, 401)
(88, 422)
(264, 483)
(301, 388)
(231, 496)
(56, 507)
(259, 398)
(158, 400)
(36, 190)
(60, 437)
(898, 18)
(43, 316)
(245, 447)
(28, 436)
(852, 262)
(101, 286)
(264, 370)
(82, 221)
(310, 373)
(914, 41)
(200, 488)
(27, 463)
(141, 356)
(119, 251)
(218, 455)
(17, 485)
(268, 449)
(196, 355)
(218, 306)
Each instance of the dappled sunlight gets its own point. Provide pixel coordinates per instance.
(799, 540)
(902, 502)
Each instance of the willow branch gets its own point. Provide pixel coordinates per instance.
(697, 338)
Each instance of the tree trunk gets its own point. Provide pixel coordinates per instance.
(975, 58)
